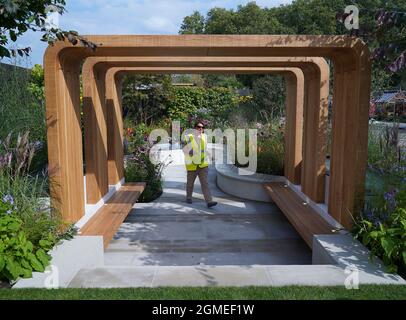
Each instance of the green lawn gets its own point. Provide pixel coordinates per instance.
(387, 292)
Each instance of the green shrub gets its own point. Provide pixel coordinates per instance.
(40, 225)
(271, 156)
(382, 228)
(138, 166)
(384, 152)
(270, 148)
(19, 104)
(19, 257)
(141, 168)
(212, 104)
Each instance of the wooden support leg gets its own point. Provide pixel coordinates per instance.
(294, 125)
(64, 137)
(315, 132)
(95, 128)
(349, 139)
(114, 128)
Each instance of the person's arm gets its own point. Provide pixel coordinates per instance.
(186, 147)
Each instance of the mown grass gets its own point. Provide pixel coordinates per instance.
(365, 292)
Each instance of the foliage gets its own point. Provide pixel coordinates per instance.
(19, 256)
(269, 96)
(17, 17)
(19, 105)
(270, 148)
(383, 28)
(193, 24)
(382, 24)
(140, 168)
(37, 83)
(27, 195)
(221, 80)
(196, 79)
(16, 159)
(212, 104)
(384, 151)
(135, 136)
(185, 101)
(248, 19)
(145, 97)
(138, 165)
(382, 228)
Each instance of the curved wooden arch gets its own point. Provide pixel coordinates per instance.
(294, 79)
(350, 57)
(295, 88)
(316, 74)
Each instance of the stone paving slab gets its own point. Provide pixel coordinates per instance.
(203, 258)
(287, 246)
(170, 232)
(237, 243)
(225, 206)
(218, 276)
(200, 276)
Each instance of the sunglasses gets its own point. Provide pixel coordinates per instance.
(200, 127)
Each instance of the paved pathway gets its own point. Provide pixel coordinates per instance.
(170, 242)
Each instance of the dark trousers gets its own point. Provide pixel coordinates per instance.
(202, 173)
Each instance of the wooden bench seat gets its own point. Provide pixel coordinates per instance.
(303, 217)
(110, 216)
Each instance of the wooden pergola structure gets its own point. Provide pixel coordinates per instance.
(307, 73)
(101, 83)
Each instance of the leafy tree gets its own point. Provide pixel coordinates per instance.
(145, 97)
(251, 19)
(220, 21)
(269, 96)
(193, 24)
(382, 28)
(311, 16)
(17, 17)
(221, 80)
(37, 83)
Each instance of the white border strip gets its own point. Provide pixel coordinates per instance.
(91, 209)
(320, 208)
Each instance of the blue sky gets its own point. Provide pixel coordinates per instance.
(128, 17)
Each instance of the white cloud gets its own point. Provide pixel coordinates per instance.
(161, 24)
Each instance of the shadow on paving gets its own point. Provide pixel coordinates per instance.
(170, 232)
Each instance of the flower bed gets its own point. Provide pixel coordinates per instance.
(28, 231)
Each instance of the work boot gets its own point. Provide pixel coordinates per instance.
(211, 204)
(189, 201)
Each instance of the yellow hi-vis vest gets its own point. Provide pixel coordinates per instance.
(199, 157)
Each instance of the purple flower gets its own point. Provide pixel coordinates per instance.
(369, 215)
(8, 198)
(390, 196)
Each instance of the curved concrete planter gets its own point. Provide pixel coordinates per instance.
(248, 187)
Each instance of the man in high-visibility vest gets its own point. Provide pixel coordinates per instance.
(197, 164)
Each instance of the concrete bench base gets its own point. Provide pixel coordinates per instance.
(343, 251)
(67, 259)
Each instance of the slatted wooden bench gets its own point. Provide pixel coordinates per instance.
(111, 215)
(303, 217)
